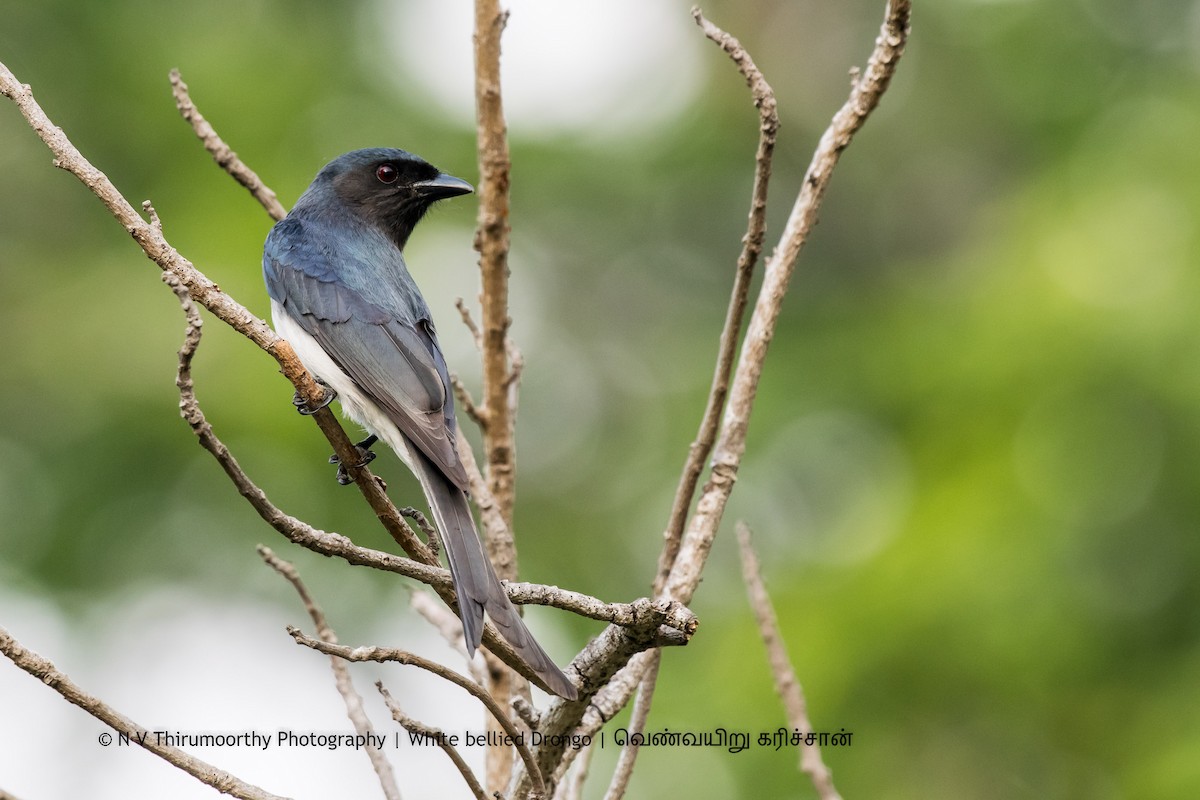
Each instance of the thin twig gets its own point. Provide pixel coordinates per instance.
(221, 152)
(206, 773)
(469, 321)
(786, 682)
(466, 403)
(386, 654)
(491, 516)
(573, 789)
(731, 441)
(341, 675)
(434, 735)
(432, 540)
(752, 243)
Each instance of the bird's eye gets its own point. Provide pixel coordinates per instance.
(386, 173)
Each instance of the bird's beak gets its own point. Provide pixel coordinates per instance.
(443, 186)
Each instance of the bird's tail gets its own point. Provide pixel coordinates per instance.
(475, 581)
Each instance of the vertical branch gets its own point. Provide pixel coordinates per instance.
(492, 243)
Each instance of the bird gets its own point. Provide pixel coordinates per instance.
(342, 296)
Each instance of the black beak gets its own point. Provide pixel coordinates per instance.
(443, 186)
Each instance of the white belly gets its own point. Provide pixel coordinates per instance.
(355, 405)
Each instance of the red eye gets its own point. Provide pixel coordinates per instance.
(386, 173)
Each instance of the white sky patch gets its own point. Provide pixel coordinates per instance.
(622, 68)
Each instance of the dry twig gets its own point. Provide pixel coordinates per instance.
(222, 153)
(341, 675)
(752, 242)
(684, 576)
(492, 242)
(786, 682)
(386, 654)
(206, 773)
(434, 735)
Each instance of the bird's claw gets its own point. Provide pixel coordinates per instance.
(304, 408)
(365, 456)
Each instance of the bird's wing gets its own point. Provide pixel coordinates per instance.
(393, 358)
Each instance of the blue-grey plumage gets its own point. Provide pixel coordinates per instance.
(342, 296)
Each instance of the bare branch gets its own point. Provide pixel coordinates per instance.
(731, 442)
(752, 242)
(222, 153)
(469, 321)
(596, 664)
(434, 735)
(432, 539)
(492, 242)
(630, 615)
(491, 516)
(386, 654)
(466, 403)
(206, 773)
(602, 707)
(341, 675)
(786, 682)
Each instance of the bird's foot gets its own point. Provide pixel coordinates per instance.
(365, 456)
(304, 408)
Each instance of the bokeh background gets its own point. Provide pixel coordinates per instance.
(973, 471)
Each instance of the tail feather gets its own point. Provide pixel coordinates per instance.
(475, 581)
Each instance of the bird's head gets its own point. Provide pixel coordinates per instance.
(389, 188)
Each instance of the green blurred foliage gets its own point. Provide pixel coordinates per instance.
(973, 467)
